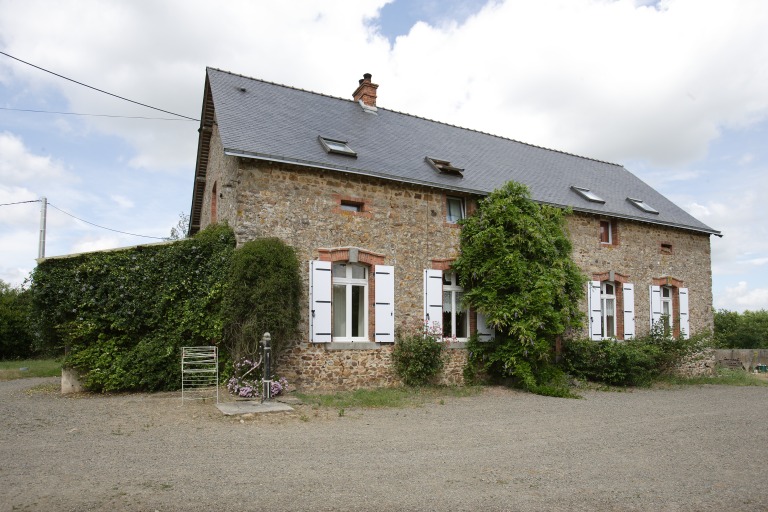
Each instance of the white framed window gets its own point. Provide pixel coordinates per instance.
(455, 318)
(608, 309)
(666, 309)
(350, 302)
(454, 209)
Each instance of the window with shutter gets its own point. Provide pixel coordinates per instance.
(384, 303)
(629, 310)
(319, 301)
(433, 299)
(595, 311)
(684, 320)
(484, 331)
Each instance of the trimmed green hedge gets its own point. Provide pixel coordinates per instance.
(123, 315)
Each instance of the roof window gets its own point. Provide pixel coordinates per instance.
(643, 205)
(338, 147)
(444, 166)
(588, 194)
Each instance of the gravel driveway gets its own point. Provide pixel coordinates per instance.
(692, 448)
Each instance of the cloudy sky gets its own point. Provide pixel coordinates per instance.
(675, 90)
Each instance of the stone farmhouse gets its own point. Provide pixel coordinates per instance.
(370, 200)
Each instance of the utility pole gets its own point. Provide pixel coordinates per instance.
(43, 211)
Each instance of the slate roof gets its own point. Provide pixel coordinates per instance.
(263, 120)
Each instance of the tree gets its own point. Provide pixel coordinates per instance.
(16, 340)
(741, 330)
(515, 266)
(262, 294)
(180, 230)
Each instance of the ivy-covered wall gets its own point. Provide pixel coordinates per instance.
(123, 315)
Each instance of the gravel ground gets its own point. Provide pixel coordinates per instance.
(692, 448)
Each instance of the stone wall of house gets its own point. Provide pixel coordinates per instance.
(637, 253)
(404, 226)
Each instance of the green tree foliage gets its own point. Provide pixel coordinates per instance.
(123, 315)
(262, 295)
(515, 266)
(741, 330)
(16, 340)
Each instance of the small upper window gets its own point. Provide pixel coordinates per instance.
(588, 194)
(351, 206)
(606, 233)
(643, 205)
(445, 166)
(338, 147)
(666, 248)
(454, 209)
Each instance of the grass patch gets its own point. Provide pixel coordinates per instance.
(386, 397)
(724, 376)
(11, 370)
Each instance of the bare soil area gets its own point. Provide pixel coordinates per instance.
(682, 449)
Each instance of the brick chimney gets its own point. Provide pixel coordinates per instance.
(366, 91)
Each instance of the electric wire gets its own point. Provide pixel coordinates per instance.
(97, 89)
(21, 202)
(104, 227)
(95, 115)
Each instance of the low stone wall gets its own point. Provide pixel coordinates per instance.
(348, 366)
(699, 364)
(749, 358)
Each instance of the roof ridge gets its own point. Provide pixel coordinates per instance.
(418, 117)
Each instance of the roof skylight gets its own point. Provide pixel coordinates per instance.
(338, 147)
(444, 166)
(643, 205)
(588, 194)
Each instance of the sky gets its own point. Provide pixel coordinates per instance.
(674, 90)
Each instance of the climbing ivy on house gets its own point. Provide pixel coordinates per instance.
(515, 266)
(123, 315)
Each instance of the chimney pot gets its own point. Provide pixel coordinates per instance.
(366, 91)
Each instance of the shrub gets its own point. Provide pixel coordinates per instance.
(635, 362)
(16, 339)
(263, 293)
(418, 355)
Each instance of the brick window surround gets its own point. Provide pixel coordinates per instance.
(618, 279)
(362, 257)
(365, 208)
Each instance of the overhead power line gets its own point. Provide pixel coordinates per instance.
(21, 202)
(83, 220)
(97, 89)
(96, 115)
(104, 227)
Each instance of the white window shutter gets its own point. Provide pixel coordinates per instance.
(595, 311)
(655, 304)
(384, 303)
(433, 299)
(484, 331)
(629, 310)
(320, 301)
(684, 321)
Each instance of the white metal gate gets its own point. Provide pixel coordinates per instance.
(199, 373)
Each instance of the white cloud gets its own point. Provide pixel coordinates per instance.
(18, 165)
(96, 243)
(744, 298)
(122, 202)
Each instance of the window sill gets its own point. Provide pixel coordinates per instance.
(456, 345)
(352, 345)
